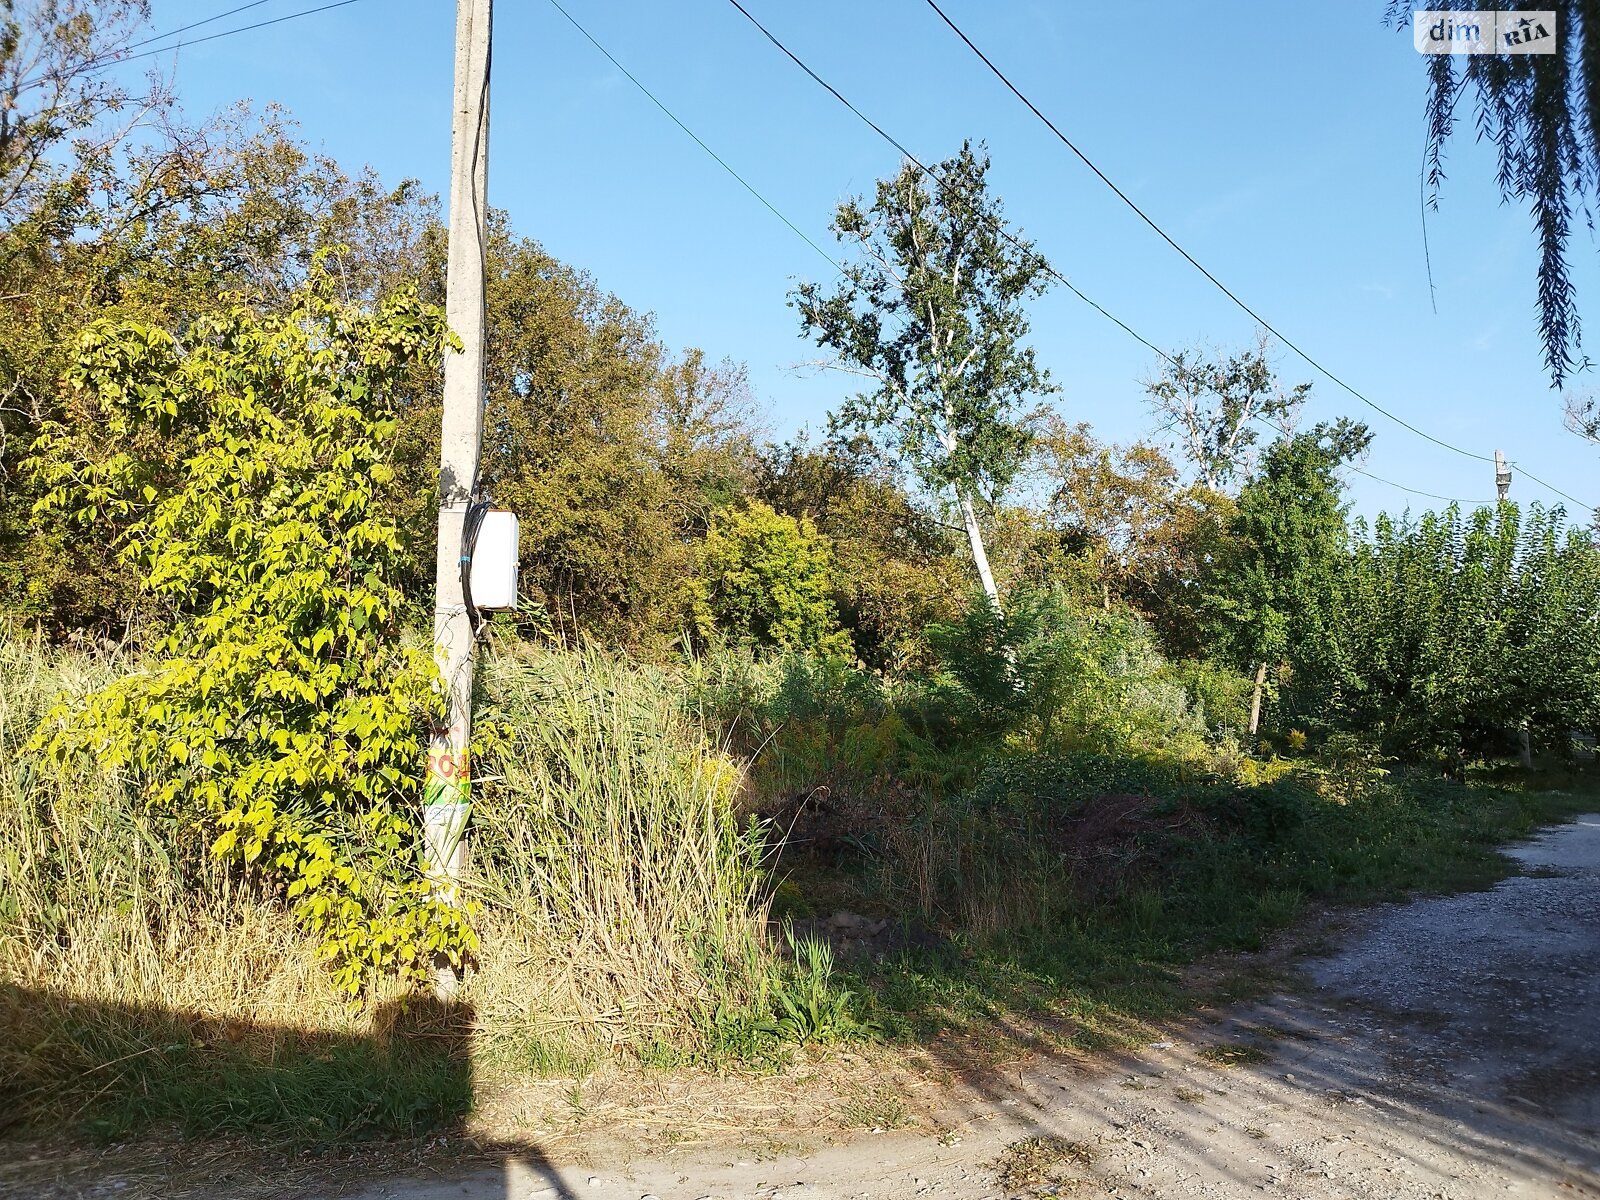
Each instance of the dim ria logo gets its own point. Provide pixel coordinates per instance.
(1450, 31)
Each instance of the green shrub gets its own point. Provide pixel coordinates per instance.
(281, 712)
(1052, 676)
(765, 580)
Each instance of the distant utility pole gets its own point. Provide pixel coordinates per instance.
(1502, 487)
(447, 796)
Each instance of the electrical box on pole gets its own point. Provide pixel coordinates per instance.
(492, 571)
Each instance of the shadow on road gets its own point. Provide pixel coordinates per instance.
(77, 1073)
(1448, 1048)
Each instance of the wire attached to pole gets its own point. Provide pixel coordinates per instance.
(471, 524)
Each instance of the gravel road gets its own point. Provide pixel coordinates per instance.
(1447, 1049)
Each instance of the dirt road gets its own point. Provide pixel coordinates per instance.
(1447, 1049)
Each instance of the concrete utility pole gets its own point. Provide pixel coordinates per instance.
(1502, 475)
(447, 796)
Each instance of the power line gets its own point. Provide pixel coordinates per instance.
(1551, 486)
(1121, 195)
(110, 58)
(1194, 262)
(211, 37)
(195, 24)
(1048, 268)
(837, 95)
(1289, 433)
(720, 161)
(1070, 286)
(1419, 491)
(717, 158)
(998, 226)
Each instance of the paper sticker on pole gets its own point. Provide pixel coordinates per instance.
(443, 828)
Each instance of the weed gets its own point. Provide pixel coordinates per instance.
(1241, 1055)
(607, 852)
(573, 1098)
(142, 980)
(1039, 1162)
(625, 905)
(810, 1007)
(877, 1108)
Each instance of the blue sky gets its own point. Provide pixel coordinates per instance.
(1279, 143)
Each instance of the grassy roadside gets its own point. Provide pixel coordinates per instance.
(1048, 901)
(145, 984)
(1107, 963)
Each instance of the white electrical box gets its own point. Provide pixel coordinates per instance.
(493, 572)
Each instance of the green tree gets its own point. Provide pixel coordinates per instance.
(282, 710)
(932, 312)
(1453, 630)
(160, 234)
(1277, 593)
(1120, 525)
(896, 569)
(59, 109)
(766, 580)
(704, 430)
(613, 452)
(1211, 406)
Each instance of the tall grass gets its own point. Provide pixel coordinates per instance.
(123, 945)
(142, 979)
(624, 896)
(101, 898)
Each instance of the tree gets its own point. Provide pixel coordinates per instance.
(56, 97)
(162, 234)
(931, 311)
(1542, 111)
(766, 580)
(1451, 630)
(613, 451)
(572, 379)
(896, 567)
(1583, 417)
(283, 711)
(1121, 518)
(704, 430)
(1113, 501)
(1211, 408)
(1278, 593)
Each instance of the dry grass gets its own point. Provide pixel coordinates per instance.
(625, 903)
(105, 905)
(1037, 1163)
(622, 911)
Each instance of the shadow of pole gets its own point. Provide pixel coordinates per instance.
(89, 1072)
